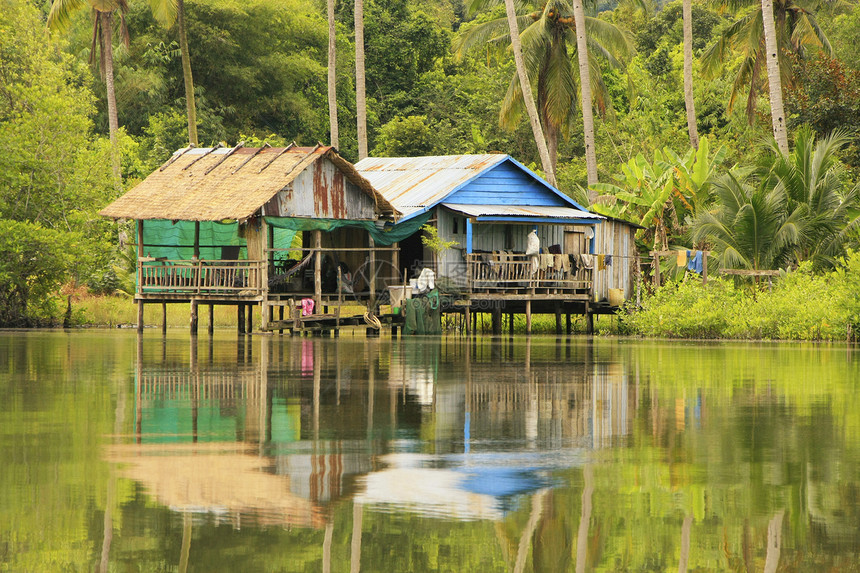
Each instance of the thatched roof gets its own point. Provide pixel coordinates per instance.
(227, 183)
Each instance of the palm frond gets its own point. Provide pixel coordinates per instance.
(60, 16)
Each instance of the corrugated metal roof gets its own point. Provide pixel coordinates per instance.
(200, 184)
(522, 211)
(413, 184)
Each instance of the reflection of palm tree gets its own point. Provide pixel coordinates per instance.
(547, 39)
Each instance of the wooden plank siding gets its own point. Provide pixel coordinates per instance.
(617, 239)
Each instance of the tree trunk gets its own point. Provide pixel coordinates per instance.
(113, 122)
(190, 103)
(526, 88)
(585, 91)
(360, 99)
(777, 112)
(332, 76)
(688, 74)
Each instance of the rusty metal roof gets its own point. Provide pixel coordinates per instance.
(414, 184)
(536, 212)
(212, 184)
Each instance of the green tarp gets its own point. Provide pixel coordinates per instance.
(386, 236)
(175, 240)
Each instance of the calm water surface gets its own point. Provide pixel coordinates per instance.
(127, 453)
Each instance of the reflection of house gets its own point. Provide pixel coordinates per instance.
(220, 479)
(216, 226)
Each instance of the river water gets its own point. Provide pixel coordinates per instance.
(262, 453)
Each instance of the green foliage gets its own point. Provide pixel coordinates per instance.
(800, 305)
(826, 96)
(431, 240)
(405, 137)
(34, 262)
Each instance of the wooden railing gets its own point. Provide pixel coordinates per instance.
(199, 277)
(489, 272)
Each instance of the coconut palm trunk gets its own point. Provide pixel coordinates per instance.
(585, 91)
(190, 103)
(688, 73)
(531, 109)
(106, 21)
(777, 113)
(360, 98)
(332, 76)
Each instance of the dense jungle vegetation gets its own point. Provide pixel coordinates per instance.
(441, 79)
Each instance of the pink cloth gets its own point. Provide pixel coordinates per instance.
(307, 306)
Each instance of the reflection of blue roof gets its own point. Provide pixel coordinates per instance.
(502, 482)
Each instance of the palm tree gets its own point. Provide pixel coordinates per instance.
(169, 12)
(774, 82)
(360, 98)
(748, 227)
(548, 37)
(59, 19)
(793, 209)
(332, 76)
(813, 180)
(795, 29)
(525, 86)
(689, 102)
(585, 91)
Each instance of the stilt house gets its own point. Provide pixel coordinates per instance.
(256, 226)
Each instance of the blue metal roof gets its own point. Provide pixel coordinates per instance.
(414, 185)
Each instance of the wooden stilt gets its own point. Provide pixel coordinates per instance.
(511, 323)
(193, 317)
(250, 316)
(140, 316)
(569, 324)
(558, 328)
(281, 318)
(589, 320)
(164, 318)
(467, 318)
(528, 317)
(211, 326)
(318, 259)
(240, 318)
(497, 321)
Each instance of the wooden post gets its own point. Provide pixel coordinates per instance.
(511, 323)
(197, 240)
(240, 318)
(496, 319)
(372, 281)
(317, 269)
(395, 261)
(528, 316)
(558, 329)
(281, 317)
(589, 320)
(705, 267)
(250, 316)
(139, 275)
(193, 317)
(164, 318)
(211, 327)
(569, 325)
(265, 309)
(467, 318)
